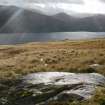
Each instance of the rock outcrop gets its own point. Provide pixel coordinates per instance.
(46, 87)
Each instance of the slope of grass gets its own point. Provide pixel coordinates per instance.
(71, 56)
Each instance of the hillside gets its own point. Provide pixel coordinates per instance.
(18, 20)
(26, 21)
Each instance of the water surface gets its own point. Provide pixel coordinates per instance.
(40, 37)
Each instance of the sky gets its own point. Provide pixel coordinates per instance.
(56, 6)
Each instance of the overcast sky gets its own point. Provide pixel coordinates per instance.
(55, 6)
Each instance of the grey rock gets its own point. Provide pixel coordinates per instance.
(46, 87)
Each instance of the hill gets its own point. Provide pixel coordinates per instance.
(19, 20)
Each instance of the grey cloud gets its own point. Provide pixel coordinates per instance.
(6, 2)
(102, 0)
(19, 2)
(56, 1)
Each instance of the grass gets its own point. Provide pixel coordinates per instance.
(70, 56)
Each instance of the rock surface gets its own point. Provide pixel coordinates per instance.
(46, 87)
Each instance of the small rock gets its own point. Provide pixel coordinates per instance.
(95, 65)
(41, 59)
(46, 65)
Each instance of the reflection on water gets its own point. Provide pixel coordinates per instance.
(23, 38)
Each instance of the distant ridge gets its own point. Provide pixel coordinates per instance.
(18, 20)
(65, 17)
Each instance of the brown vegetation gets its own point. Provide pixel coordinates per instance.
(71, 56)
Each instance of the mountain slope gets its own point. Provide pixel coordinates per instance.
(24, 21)
(5, 14)
(19, 20)
(65, 17)
(91, 23)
